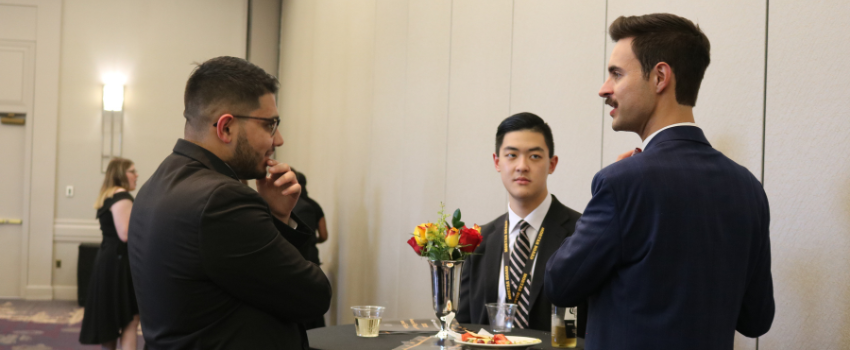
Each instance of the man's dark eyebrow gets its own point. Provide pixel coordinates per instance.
(533, 149)
(611, 69)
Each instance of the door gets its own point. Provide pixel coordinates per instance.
(17, 61)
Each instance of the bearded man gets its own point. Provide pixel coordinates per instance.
(215, 264)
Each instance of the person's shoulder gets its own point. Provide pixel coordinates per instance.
(315, 205)
(562, 209)
(620, 170)
(121, 194)
(230, 187)
(491, 226)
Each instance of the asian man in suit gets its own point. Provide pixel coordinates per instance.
(524, 158)
(673, 249)
(216, 264)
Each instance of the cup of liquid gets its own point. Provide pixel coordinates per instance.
(563, 327)
(367, 320)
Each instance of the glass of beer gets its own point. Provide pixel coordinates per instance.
(367, 320)
(563, 327)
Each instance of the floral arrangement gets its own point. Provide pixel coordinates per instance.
(444, 241)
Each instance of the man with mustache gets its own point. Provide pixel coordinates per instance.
(673, 250)
(217, 265)
(525, 156)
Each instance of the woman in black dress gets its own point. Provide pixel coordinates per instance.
(111, 312)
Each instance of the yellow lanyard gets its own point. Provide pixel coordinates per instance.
(506, 258)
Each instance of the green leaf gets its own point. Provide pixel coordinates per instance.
(456, 223)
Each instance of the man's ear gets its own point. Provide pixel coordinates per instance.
(223, 128)
(553, 163)
(496, 162)
(663, 77)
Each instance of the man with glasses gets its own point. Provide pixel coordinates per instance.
(217, 265)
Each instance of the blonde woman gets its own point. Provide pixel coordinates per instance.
(111, 313)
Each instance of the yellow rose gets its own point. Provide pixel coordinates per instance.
(477, 228)
(432, 231)
(452, 237)
(420, 233)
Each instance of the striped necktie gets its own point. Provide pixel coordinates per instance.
(519, 257)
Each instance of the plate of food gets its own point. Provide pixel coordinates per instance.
(497, 341)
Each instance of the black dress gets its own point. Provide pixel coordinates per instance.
(111, 302)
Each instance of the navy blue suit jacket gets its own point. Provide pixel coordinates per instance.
(673, 250)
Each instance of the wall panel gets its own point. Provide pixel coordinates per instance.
(385, 180)
(479, 99)
(356, 237)
(807, 174)
(557, 53)
(425, 120)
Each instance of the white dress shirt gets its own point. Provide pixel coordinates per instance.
(535, 219)
(646, 142)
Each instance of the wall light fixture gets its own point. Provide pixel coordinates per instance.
(112, 130)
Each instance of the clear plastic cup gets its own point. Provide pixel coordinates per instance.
(367, 320)
(501, 316)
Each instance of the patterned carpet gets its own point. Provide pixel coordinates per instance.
(42, 325)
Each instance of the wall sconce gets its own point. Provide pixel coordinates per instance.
(112, 130)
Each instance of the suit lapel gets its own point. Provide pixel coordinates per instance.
(554, 232)
(493, 259)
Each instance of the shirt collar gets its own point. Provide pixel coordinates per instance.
(203, 156)
(535, 218)
(646, 142)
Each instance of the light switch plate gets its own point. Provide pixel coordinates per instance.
(69, 191)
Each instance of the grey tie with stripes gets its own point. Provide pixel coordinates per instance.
(519, 257)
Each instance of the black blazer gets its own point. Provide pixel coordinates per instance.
(673, 250)
(212, 268)
(480, 279)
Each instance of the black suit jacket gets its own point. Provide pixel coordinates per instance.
(212, 268)
(673, 250)
(480, 279)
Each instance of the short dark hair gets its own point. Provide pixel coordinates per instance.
(525, 121)
(664, 37)
(222, 84)
(302, 180)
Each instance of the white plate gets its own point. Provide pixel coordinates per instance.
(534, 341)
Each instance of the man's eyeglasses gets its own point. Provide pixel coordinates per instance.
(271, 124)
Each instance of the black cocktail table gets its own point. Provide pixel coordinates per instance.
(343, 338)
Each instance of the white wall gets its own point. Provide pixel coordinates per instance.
(154, 44)
(390, 106)
(807, 174)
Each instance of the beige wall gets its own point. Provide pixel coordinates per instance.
(154, 44)
(390, 107)
(806, 175)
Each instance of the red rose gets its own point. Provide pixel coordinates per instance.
(416, 247)
(470, 239)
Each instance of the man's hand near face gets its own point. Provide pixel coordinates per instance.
(280, 189)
